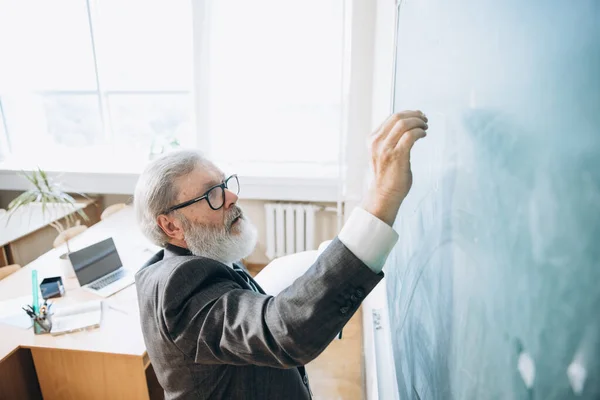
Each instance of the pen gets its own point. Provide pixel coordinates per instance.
(30, 313)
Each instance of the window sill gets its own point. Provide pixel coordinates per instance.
(259, 181)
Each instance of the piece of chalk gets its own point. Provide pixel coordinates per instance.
(577, 374)
(526, 368)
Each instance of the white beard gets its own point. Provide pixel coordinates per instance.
(226, 243)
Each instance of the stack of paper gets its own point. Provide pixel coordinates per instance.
(73, 318)
(11, 312)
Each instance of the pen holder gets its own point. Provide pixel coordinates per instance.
(42, 325)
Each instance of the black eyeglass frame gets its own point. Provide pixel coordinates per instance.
(222, 185)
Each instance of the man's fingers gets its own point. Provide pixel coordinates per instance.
(403, 126)
(415, 114)
(387, 125)
(391, 121)
(410, 114)
(409, 138)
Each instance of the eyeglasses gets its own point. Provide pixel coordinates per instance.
(215, 196)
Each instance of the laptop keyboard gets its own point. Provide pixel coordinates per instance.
(107, 280)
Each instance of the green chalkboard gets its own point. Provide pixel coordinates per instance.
(494, 286)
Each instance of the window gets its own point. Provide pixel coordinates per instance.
(81, 79)
(95, 76)
(275, 80)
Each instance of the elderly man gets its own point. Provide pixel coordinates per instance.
(210, 330)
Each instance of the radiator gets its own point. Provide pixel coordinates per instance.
(290, 228)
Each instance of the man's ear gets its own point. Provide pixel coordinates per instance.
(171, 226)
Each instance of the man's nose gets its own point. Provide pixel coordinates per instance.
(230, 198)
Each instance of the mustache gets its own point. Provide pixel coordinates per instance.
(233, 215)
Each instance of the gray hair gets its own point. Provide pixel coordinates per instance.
(155, 190)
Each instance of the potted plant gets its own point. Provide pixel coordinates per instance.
(52, 199)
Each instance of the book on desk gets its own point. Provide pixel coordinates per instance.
(76, 317)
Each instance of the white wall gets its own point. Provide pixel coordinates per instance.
(370, 84)
(358, 121)
(380, 108)
(369, 90)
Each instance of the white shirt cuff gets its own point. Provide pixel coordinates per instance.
(370, 239)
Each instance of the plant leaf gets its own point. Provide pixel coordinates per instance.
(21, 200)
(46, 191)
(44, 178)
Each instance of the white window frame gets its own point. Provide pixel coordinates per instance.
(100, 93)
(320, 184)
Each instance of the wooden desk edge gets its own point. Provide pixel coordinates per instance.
(143, 356)
(34, 347)
(6, 355)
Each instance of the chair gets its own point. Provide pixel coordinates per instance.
(68, 234)
(9, 269)
(110, 210)
(283, 271)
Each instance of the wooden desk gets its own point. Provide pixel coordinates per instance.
(29, 234)
(109, 362)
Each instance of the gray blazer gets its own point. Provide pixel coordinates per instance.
(209, 336)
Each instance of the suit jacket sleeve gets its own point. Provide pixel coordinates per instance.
(214, 320)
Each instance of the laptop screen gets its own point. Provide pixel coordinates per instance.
(95, 261)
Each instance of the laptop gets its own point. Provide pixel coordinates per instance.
(99, 269)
